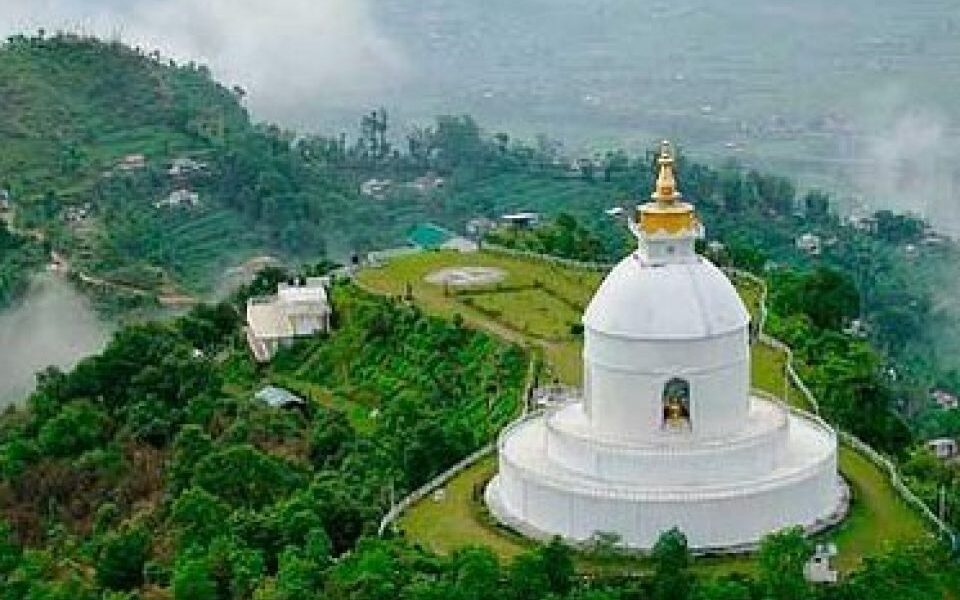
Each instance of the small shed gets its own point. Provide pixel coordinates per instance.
(818, 568)
(809, 243)
(279, 398)
(521, 220)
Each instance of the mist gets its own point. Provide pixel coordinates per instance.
(907, 159)
(53, 325)
(300, 60)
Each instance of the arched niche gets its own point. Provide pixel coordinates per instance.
(675, 403)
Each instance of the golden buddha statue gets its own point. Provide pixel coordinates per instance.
(675, 415)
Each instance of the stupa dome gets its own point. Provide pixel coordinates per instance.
(677, 300)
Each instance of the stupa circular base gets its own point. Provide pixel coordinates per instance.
(541, 499)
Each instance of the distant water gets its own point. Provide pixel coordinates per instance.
(53, 325)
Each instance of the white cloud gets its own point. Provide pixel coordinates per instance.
(908, 158)
(295, 57)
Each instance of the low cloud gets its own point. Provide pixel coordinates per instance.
(908, 159)
(296, 58)
(54, 325)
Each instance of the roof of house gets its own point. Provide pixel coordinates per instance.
(271, 317)
(278, 397)
(313, 290)
(429, 236)
(521, 216)
(268, 320)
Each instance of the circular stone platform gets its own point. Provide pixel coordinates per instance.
(548, 485)
(466, 276)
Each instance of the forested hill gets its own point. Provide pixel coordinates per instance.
(73, 108)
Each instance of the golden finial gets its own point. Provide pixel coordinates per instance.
(666, 192)
(667, 214)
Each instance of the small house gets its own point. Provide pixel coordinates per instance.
(945, 399)
(857, 328)
(375, 188)
(299, 309)
(132, 162)
(76, 215)
(185, 166)
(521, 220)
(818, 568)
(178, 198)
(864, 223)
(809, 244)
(427, 183)
(478, 226)
(944, 448)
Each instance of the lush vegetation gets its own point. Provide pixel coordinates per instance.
(566, 237)
(75, 107)
(18, 257)
(151, 467)
(150, 470)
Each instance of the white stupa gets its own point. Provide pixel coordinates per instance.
(668, 433)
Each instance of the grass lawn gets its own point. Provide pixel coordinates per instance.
(544, 316)
(454, 521)
(558, 290)
(877, 516)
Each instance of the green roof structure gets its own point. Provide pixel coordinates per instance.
(429, 236)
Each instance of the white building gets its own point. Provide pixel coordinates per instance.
(818, 569)
(178, 198)
(944, 448)
(185, 166)
(945, 399)
(132, 162)
(521, 220)
(299, 309)
(427, 183)
(809, 243)
(668, 433)
(376, 188)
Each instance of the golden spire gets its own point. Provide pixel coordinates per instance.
(666, 191)
(667, 214)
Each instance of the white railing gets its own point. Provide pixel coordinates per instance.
(882, 462)
(428, 488)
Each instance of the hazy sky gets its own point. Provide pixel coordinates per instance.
(292, 55)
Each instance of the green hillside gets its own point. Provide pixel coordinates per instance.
(75, 108)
